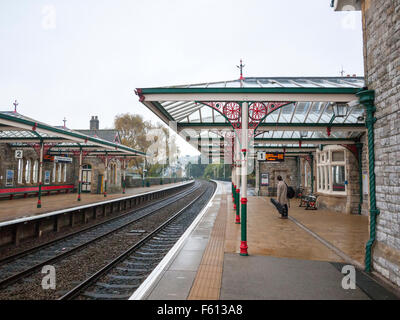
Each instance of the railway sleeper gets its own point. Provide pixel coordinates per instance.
(116, 286)
(106, 296)
(130, 270)
(119, 277)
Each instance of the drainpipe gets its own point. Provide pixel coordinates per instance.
(366, 98)
(360, 182)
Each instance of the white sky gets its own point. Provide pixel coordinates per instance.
(75, 59)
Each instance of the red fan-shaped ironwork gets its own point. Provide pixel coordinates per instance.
(232, 110)
(257, 111)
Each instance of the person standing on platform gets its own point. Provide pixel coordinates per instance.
(282, 196)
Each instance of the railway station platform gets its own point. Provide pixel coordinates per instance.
(26, 207)
(297, 258)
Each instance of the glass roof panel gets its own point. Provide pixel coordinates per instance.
(206, 114)
(250, 83)
(233, 84)
(289, 82)
(194, 117)
(286, 113)
(219, 117)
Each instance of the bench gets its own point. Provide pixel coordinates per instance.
(46, 189)
(309, 201)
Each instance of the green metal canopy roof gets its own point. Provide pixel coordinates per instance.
(306, 107)
(22, 131)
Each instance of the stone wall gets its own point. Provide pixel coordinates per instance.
(8, 162)
(135, 182)
(289, 166)
(381, 26)
(342, 203)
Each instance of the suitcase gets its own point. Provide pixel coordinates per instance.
(278, 206)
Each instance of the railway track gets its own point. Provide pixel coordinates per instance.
(18, 266)
(123, 275)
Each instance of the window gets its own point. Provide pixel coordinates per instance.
(59, 171)
(28, 170)
(53, 179)
(65, 173)
(35, 171)
(338, 177)
(331, 170)
(20, 170)
(337, 156)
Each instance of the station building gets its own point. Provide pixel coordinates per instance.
(38, 159)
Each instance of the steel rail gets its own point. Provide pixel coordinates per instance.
(75, 233)
(93, 278)
(15, 277)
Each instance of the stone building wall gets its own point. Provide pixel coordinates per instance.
(8, 162)
(342, 203)
(381, 31)
(98, 171)
(289, 166)
(365, 175)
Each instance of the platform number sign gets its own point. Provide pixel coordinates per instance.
(19, 154)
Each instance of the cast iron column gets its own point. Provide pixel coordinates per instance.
(245, 124)
(80, 175)
(39, 203)
(237, 179)
(366, 98)
(106, 176)
(360, 182)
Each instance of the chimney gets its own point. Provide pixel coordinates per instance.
(94, 123)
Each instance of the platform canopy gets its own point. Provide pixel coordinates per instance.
(23, 132)
(285, 112)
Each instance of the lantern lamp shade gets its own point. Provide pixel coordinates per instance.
(303, 134)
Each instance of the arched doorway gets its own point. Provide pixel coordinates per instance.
(86, 177)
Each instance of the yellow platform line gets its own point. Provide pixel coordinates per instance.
(207, 284)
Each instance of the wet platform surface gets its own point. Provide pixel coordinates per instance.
(25, 207)
(298, 258)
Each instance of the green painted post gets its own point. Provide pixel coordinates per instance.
(312, 173)
(360, 182)
(80, 175)
(79, 190)
(39, 203)
(237, 199)
(366, 98)
(243, 246)
(243, 174)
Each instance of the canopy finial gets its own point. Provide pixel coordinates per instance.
(241, 66)
(15, 105)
